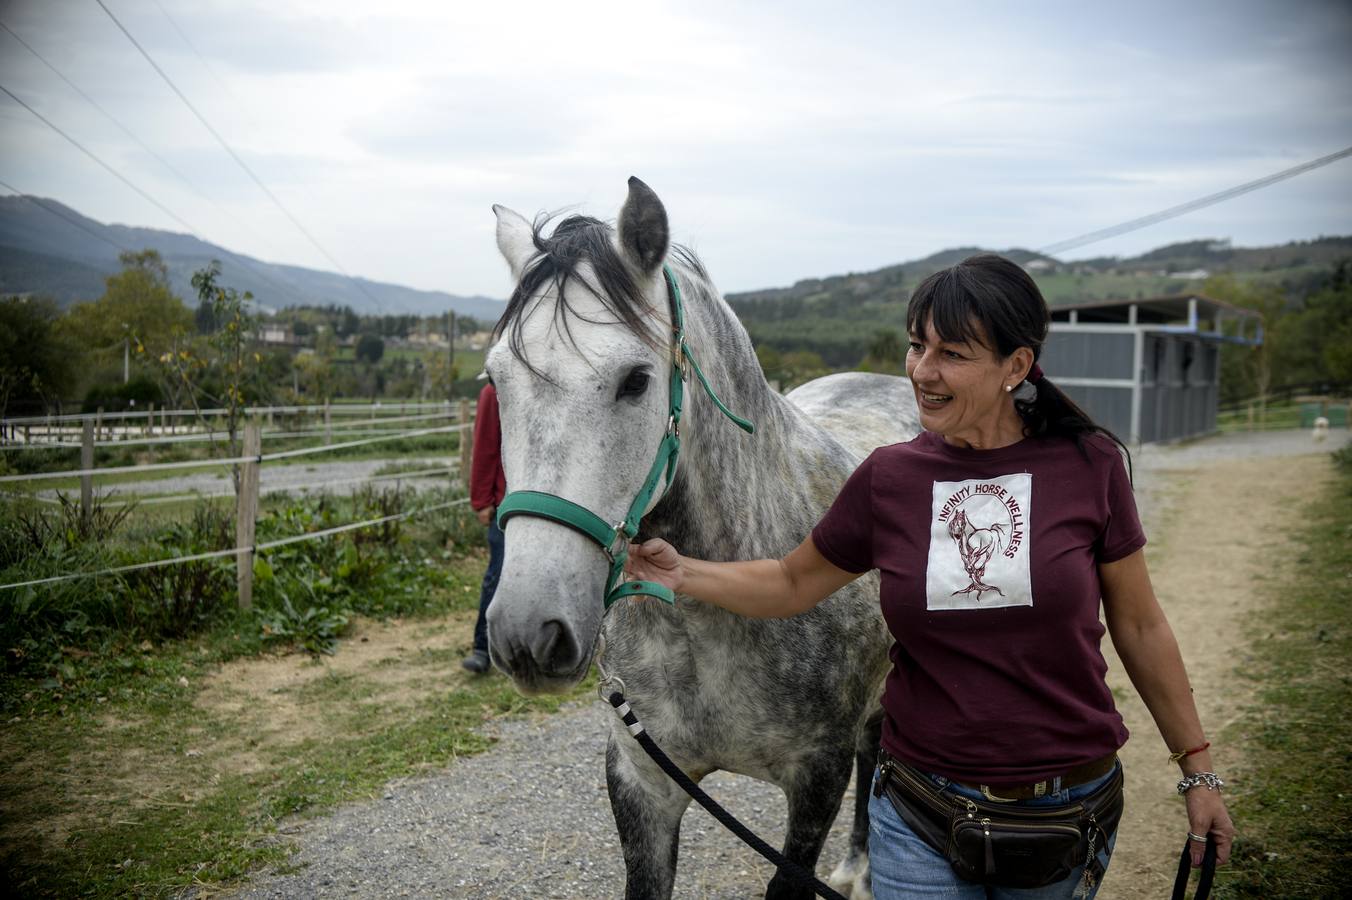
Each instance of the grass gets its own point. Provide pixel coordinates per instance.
(155, 736)
(1282, 415)
(157, 767)
(1293, 800)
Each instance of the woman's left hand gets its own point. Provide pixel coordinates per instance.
(1207, 815)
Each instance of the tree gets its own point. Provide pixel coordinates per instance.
(347, 322)
(137, 310)
(222, 369)
(803, 365)
(1248, 371)
(37, 362)
(771, 362)
(370, 348)
(885, 353)
(1329, 312)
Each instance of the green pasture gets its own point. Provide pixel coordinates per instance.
(1292, 804)
(133, 769)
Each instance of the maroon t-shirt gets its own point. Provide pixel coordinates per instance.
(990, 588)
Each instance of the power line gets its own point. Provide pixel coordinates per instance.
(221, 83)
(1209, 200)
(122, 178)
(87, 152)
(235, 156)
(110, 117)
(128, 132)
(59, 214)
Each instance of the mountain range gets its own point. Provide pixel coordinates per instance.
(49, 248)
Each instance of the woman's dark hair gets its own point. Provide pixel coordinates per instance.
(988, 298)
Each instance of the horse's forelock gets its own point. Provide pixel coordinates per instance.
(578, 240)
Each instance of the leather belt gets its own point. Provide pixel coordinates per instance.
(1081, 774)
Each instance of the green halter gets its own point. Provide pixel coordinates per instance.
(614, 539)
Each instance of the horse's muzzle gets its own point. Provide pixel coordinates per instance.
(548, 661)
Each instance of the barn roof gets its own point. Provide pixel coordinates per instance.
(1176, 309)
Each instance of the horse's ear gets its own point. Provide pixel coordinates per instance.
(516, 239)
(643, 228)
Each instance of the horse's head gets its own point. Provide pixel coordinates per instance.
(581, 366)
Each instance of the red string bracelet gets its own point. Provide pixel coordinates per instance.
(1175, 757)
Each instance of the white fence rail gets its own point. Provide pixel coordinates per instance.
(238, 551)
(248, 491)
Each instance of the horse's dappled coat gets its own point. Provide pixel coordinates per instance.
(786, 701)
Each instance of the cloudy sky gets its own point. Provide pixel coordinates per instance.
(788, 139)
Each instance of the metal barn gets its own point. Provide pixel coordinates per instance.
(1148, 370)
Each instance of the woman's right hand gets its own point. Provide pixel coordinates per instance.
(657, 561)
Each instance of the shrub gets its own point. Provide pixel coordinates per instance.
(138, 393)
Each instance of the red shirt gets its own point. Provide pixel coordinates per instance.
(990, 588)
(487, 484)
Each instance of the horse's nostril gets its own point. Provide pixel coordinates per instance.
(554, 649)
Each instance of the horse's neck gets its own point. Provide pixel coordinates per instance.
(735, 495)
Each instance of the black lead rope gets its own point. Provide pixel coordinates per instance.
(1185, 868)
(785, 865)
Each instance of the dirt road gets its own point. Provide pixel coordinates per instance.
(531, 819)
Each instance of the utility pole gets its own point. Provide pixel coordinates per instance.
(126, 359)
(450, 353)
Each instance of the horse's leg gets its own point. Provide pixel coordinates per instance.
(814, 793)
(851, 877)
(648, 807)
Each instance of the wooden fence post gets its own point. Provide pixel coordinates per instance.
(247, 513)
(328, 423)
(98, 421)
(466, 441)
(87, 481)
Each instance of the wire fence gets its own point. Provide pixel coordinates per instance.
(247, 412)
(187, 425)
(215, 436)
(237, 551)
(248, 490)
(232, 460)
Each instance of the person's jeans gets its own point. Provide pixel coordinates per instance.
(903, 865)
(490, 585)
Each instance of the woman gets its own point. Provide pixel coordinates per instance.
(996, 531)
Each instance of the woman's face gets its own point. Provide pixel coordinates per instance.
(960, 389)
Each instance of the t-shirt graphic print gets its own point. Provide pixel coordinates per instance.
(978, 553)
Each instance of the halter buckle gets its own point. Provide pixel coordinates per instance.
(618, 544)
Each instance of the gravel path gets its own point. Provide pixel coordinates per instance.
(344, 475)
(531, 818)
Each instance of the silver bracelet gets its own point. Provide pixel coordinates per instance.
(1210, 779)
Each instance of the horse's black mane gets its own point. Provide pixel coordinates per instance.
(575, 240)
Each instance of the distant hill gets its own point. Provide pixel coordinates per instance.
(837, 316)
(48, 248)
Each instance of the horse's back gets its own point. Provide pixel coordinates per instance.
(861, 410)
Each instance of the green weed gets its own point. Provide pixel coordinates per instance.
(1293, 806)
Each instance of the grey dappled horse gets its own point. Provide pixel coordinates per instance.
(581, 368)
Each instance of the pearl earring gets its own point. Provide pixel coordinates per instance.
(1008, 388)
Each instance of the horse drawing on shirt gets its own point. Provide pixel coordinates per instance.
(976, 546)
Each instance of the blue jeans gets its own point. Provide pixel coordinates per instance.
(903, 865)
(490, 585)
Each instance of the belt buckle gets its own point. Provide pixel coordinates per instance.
(1039, 790)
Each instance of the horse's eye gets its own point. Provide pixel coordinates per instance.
(634, 384)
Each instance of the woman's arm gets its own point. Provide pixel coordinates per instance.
(761, 588)
(1149, 652)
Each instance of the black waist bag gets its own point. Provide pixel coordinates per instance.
(1000, 844)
